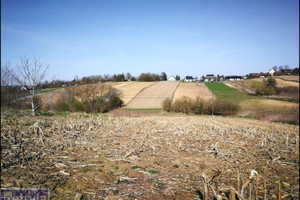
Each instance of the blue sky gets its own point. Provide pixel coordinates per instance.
(190, 37)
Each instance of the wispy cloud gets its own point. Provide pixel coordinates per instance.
(44, 38)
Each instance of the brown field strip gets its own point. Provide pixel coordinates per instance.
(290, 78)
(131, 90)
(193, 90)
(118, 85)
(268, 104)
(285, 83)
(279, 82)
(152, 96)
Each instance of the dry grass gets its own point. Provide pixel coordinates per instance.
(153, 96)
(149, 157)
(290, 78)
(268, 104)
(279, 82)
(119, 85)
(270, 110)
(55, 96)
(193, 90)
(131, 90)
(283, 83)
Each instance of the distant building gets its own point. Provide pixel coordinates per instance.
(189, 79)
(23, 88)
(257, 75)
(271, 71)
(210, 78)
(233, 78)
(171, 78)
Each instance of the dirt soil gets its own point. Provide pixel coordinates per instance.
(153, 96)
(102, 157)
(193, 90)
(131, 90)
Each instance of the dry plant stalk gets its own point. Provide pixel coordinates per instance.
(253, 173)
(205, 187)
(265, 189)
(232, 194)
(238, 180)
(256, 188)
(279, 190)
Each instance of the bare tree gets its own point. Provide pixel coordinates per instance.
(128, 76)
(7, 84)
(30, 75)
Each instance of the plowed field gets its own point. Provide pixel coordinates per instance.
(152, 96)
(131, 90)
(193, 90)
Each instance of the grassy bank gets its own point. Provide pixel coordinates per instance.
(258, 107)
(222, 91)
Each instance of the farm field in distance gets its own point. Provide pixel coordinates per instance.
(158, 157)
(256, 106)
(152, 96)
(131, 90)
(281, 82)
(193, 90)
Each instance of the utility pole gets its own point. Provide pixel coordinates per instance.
(212, 105)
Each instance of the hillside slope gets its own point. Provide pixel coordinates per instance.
(152, 96)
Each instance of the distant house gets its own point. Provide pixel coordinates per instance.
(257, 75)
(189, 79)
(171, 78)
(210, 78)
(271, 71)
(287, 71)
(23, 88)
(233, 78)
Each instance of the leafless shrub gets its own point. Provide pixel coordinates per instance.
(182, 105)
(223, 107)
(90, 98)
(199, 106)
(291, 90)
(167, 105)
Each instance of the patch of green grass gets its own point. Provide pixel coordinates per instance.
(222, 91)
(49, 90)
(137, 167)
(153, 171)
(86, 169)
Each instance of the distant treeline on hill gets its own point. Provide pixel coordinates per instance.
(106, 78)
(149, 77)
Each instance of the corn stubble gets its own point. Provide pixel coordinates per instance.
(93, 157)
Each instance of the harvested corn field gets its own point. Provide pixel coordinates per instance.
(131, 90)
(193, 90)
(152, 96)
(183, 157)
